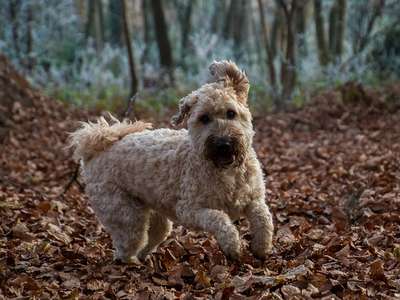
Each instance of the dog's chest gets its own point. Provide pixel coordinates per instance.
(229, 190)
(232, 193)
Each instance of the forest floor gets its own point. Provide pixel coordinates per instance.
(333, 185)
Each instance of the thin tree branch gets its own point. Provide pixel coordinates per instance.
(284, 7)
(73, 179)
(129, 107)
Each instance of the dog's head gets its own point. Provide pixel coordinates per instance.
(217, 116)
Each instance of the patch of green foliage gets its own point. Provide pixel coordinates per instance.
(110, 98)
(154, 102)
(159, 101)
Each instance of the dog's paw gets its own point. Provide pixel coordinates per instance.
(131, 260)
(143, 255)
(234, 258)
(232, 252)
(261, 250)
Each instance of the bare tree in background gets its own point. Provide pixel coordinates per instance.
(270, 56)
(276, 31)
(366, 23)
(320, 32)
(288, 66)
(219, 16)
(301, 27)
(100, 27)
(330, 49)
(288, 48)
(128, 43)
(337, 17)
(186, 27)
(332, 30)
(146, 30)
(95, 23)
(241, 26)
(24, 47)
(236, 25)
(115, 22)
(164, 46)
(29, 37)
(14, 6)
(340, 27)
(257, 42)
(90, 18)
(230, 19)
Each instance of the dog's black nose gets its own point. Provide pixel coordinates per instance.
(221, 150)
(224, 145)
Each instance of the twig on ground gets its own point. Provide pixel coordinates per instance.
(129, 108)
(73, 179)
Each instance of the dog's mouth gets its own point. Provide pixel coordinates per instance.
(224, 161)
(222, 151)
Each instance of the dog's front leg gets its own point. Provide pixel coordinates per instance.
(261, 227)
(216, 222)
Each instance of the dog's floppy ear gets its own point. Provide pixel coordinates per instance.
(229, 72)
(185, 105)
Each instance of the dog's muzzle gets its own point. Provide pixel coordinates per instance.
(222, 151)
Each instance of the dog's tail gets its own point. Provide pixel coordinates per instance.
(93, 138)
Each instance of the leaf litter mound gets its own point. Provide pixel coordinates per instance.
(332, 172)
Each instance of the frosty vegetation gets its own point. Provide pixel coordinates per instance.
(77, 49)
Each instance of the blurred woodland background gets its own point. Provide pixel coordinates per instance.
(330, 153)
(98, 52)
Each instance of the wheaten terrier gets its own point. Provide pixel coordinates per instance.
(140, 180)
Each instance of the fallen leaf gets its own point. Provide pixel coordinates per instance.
(377, 271)
(202, 280)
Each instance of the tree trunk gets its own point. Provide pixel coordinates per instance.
(186, 28)
(270, 59)
(378, 8)
(288, 67)
(257, 42)
(80, 8)
(332, 31)
(236, 24)
(115, 22)
(134, 80)
(93, 25)
(319, 28)
(90, 19)
(276, 32)
(229, 25)
(146, 31)
(101, 27)
(240, 27)
(13, 7)
(300, 19)
(340, 28)
(164, 46)
(29, 38)
(218, 16)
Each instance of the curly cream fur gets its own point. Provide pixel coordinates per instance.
(139, 181)
(92, 138)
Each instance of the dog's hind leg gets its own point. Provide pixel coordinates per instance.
(159, 229)
(126, 220)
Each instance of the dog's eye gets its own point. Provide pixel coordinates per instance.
(205, 119)
(230, 114)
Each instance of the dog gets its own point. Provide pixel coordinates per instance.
(141, 180)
